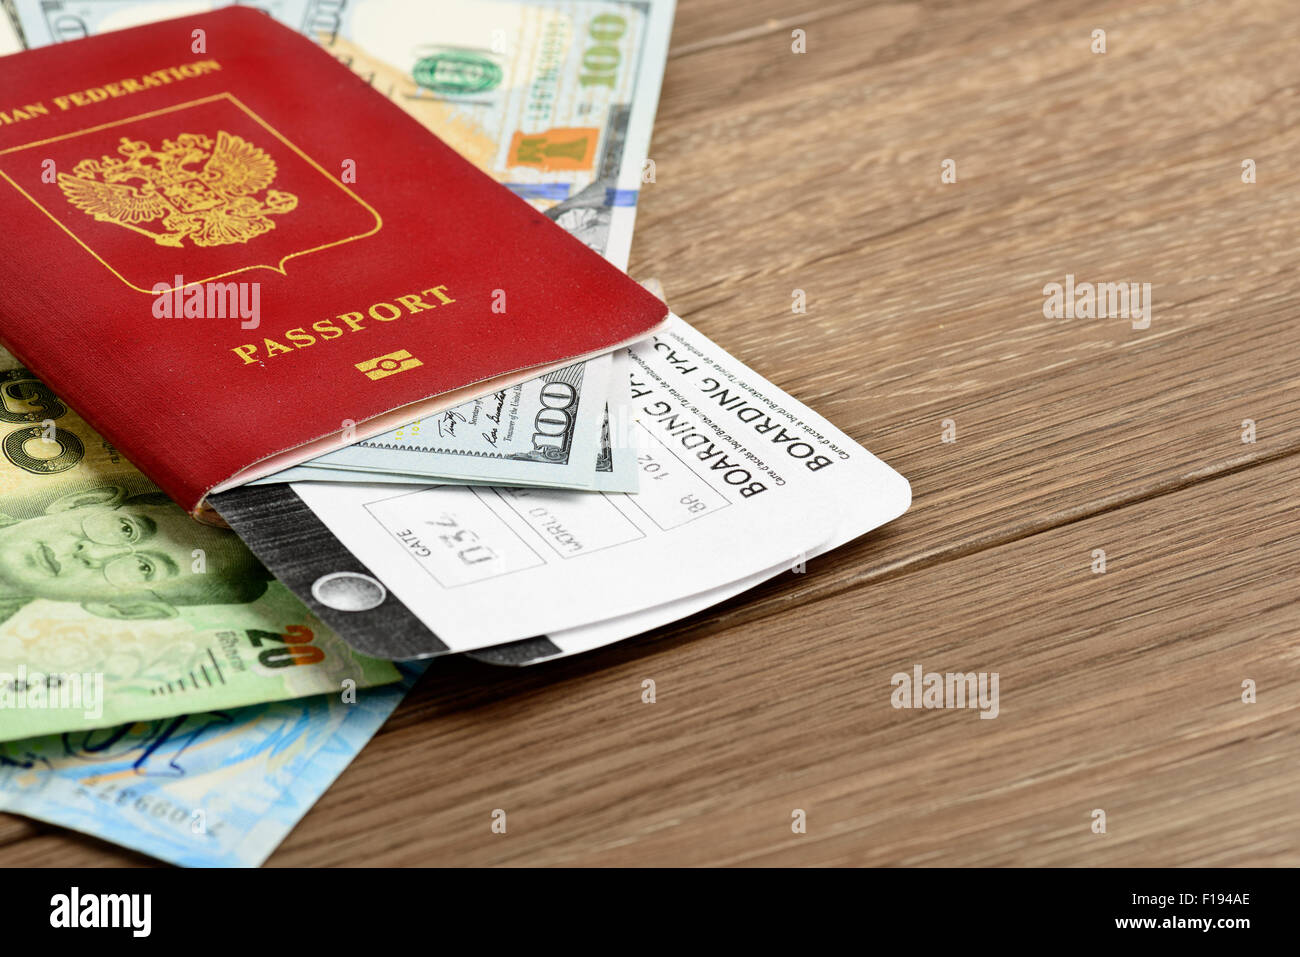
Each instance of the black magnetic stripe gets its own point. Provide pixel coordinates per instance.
(298, 549)
(516, 653)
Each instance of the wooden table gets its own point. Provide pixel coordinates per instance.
(1120, 691)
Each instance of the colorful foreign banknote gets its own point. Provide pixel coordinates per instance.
(214, 789)
(116, 606)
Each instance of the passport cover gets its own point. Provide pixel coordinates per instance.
(232, 260)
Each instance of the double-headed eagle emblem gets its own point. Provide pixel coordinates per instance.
(213, 206)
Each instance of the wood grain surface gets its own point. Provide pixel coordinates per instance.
(1120, 691)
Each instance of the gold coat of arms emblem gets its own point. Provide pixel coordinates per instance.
(213, 205)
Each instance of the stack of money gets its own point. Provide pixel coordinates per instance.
(190, 691)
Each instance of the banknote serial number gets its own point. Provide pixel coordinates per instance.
(156, 809)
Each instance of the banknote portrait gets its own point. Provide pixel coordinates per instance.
(123, 556)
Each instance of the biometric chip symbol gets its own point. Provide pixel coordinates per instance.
(381, 367)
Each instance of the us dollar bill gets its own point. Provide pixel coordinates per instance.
(116, 606)
(544, 431)
(615, 470)
(554, 99)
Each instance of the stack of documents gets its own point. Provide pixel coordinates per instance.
(188, 693)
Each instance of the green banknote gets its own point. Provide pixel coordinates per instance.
(546, 431)
(116, 606)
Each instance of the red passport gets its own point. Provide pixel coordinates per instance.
(235, 260)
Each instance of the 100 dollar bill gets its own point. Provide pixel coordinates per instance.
(613, 469)
(116, 606)
(553, 99)
(546, 431)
